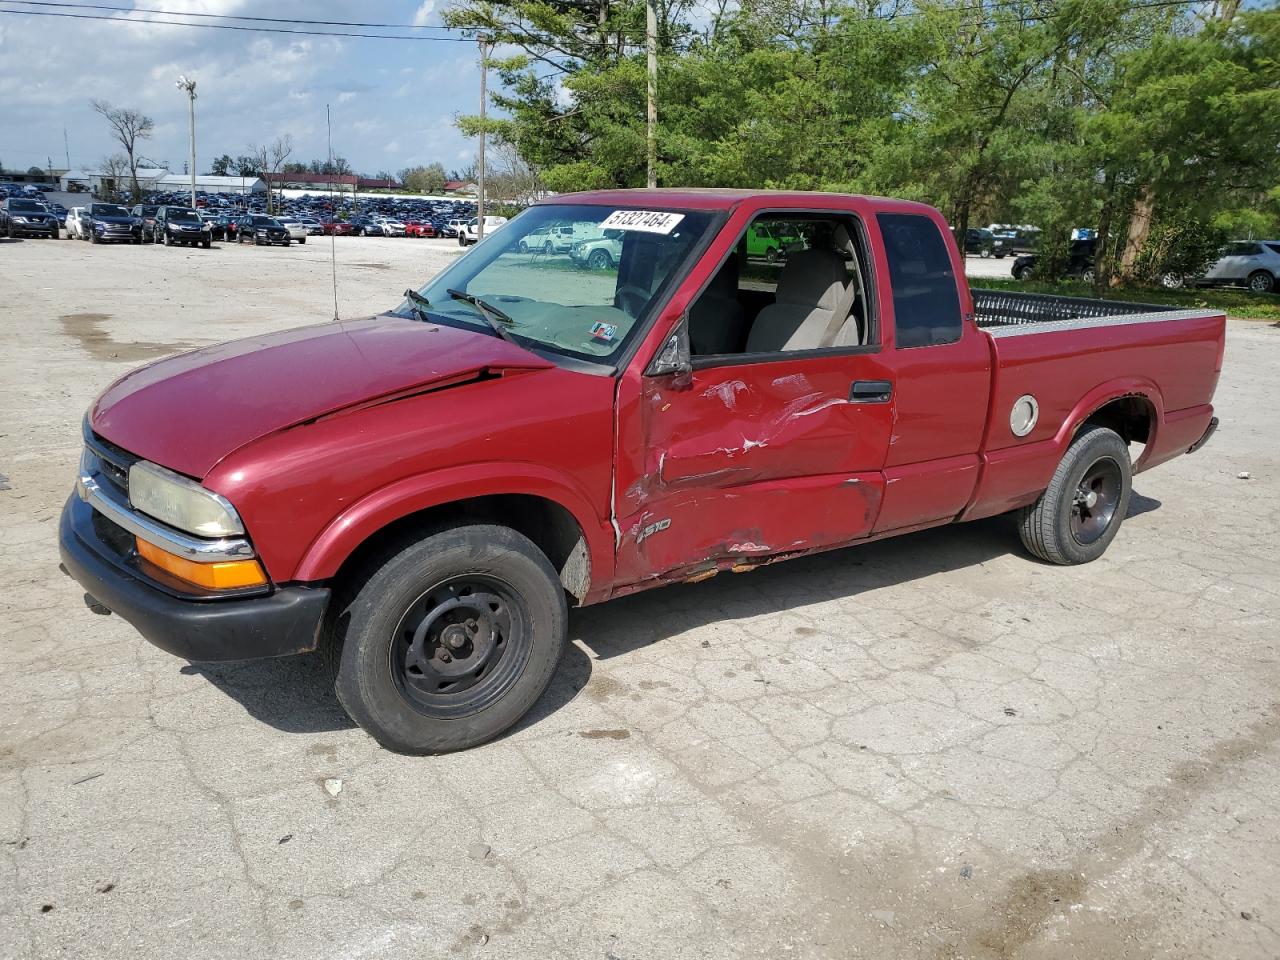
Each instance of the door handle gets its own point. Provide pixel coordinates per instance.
(870, 391)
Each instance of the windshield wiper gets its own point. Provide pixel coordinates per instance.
(416, 302)
(490, 313)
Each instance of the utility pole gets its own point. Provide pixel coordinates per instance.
(484, 96)
(66, 145)
(190, 87)
(651, 46)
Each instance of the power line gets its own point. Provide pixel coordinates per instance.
(224, 16)
(515, 40)
(228, 26)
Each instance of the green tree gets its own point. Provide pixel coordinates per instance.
(428, 179)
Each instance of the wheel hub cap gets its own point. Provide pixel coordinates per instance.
(458, 646)
(1094, 506)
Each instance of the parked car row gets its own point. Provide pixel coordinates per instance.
(325, 214)
(171, 224)
(1254, 264)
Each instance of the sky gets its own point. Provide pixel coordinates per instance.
(393, 103)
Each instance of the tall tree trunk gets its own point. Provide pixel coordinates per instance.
(1144, 207)
(1102, 259)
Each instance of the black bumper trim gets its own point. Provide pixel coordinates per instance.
(285, 622)
(1208, 432)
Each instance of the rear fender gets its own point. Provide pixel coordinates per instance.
(1106, 393)
(1014, 476)
(384, 506)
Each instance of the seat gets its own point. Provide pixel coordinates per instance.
(717, 320)
(809, 291)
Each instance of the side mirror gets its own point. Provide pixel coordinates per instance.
(675, 356)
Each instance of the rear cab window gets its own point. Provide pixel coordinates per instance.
(926, 301)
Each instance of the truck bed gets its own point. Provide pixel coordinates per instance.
(1010, 313)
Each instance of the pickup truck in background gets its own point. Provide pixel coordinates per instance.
(423, 493)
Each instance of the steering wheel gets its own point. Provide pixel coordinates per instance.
(631, 299)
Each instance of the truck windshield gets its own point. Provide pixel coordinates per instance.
(584, 295)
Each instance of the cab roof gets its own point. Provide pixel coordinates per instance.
(727, 198)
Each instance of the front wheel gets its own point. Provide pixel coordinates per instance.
(302, 239)
(1077, 517)
(444, 641)
(1261, 282)
(168, 240)
(599, 260)
(985, 253)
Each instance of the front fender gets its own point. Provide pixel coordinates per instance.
(339, 539)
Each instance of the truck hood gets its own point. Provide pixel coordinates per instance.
(190, 411)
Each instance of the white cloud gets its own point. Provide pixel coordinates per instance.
(252, 87)
(422, 17)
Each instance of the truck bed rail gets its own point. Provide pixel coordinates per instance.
(998, 308)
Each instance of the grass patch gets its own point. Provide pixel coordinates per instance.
(1232, 301)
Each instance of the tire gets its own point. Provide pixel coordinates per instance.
(985, 253)
(1087, 274)
(1021, 273)
(396, 600)
(771, 255)
(1061, 527)
(548, 248)
(1173, 281)
(1261, 282)
(599, 260)
(93, 238)
(206, 244)
(524, 247)
(302, 240)
(462, 241)
(168, 240)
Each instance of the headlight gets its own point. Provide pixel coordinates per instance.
(182, 503)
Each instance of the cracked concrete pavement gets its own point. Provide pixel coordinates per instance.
(926, 747)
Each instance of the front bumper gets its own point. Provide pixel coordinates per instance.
(285, 621)
(118, 232)
(42, 229)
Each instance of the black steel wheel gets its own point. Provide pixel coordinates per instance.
(1094, 505)
(442, 640)
(459, 646)
(1079, 514)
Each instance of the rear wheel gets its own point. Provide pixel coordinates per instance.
(302, 239)
(443, 642)
(1077, 517)
(1261, 282)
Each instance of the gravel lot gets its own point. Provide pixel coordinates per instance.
(927, 747)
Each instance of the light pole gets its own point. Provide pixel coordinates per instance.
(190, 87)
(484, 96)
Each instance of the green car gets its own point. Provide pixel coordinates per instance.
(771, 240)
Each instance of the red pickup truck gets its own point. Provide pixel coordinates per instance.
(423, 493)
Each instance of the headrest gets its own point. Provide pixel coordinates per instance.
(725, 282)
(812, 278)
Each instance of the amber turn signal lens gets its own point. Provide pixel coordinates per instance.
(224, 575)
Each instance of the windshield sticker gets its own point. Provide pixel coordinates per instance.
(604, 331)
(644, 221)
